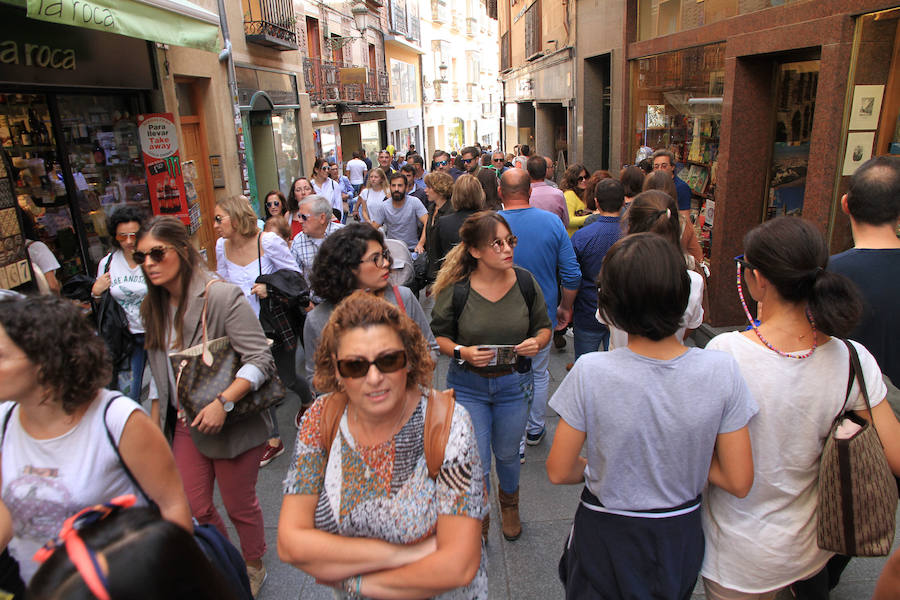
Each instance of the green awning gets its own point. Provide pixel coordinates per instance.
(175, 22)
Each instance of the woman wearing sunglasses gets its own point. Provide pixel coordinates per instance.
(574, 183)
(275, 205)
(354, 258)
(59, 429)
(209, 448)
(376, 191)
(480, 303)
(118, 273)
(361, 512)
(798, 374)
(300, 189)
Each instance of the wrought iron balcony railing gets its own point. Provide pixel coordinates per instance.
(323, 83)
(270, 23)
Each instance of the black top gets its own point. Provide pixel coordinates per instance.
(877, 275)
(448, 229)
(433, 245)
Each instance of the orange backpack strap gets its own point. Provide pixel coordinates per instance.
(330, 420)
(438, 417)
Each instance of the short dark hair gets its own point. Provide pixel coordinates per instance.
(475, 152)
(654, 211)
(163, 546)
(332, 276)
(792, 254)
(632, 179)
(609, 195)
(356, 154)
(874, 194)
(72, 360)
(525, 150)
(643, 287)
(396, 175)
(536, 166)
(416, 160)
(126, 214)
(408, 168)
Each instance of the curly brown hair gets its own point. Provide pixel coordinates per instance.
(57, 337)
(362, 309)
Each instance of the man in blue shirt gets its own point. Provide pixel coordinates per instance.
(590, 244)
(545, 250)
(665, 161)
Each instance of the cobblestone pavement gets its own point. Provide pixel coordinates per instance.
(525, 569)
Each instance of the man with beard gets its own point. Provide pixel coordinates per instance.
(486, 177)
(400, 215)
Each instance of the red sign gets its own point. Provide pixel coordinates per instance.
(159, 145)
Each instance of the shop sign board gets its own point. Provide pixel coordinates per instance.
(165, 179)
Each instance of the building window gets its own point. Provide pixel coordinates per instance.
(533, 29)
(403, 83)
(662, 17)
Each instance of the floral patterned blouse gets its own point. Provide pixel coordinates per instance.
(384, 491)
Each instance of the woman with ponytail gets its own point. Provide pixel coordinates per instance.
(656, 212)
(481, 300)
(798, 374)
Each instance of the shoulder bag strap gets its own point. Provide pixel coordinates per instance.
(438, 418)
(206, 355)
(856, 368)
(458, 303)
(259, 252)
(330, 420)
(6, 425)
(106, 268)
(115, 447)
(399, 300)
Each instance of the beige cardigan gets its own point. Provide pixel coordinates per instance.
(228, 314)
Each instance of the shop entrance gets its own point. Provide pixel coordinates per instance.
(596, 96)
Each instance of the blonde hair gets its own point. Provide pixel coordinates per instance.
(477, 231)
(385, 185)
(440, 182)
(467, 193)
(242, 216)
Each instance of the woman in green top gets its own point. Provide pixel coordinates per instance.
(482, 300)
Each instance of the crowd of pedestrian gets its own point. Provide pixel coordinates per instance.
(694, 462)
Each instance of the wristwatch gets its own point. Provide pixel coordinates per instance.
(457, 354)
(228, 405)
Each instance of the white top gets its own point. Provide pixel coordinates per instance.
(330, 190)
(692, 318)
(275, 256)
(42, 256)
(357, 169)
(767, 540)
(47, 481)
(127, 286)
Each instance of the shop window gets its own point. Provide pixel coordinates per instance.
(663, 17)
(287, 145)
(677, 105)
(403, 83)
(184, 93)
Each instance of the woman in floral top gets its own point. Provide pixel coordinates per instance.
(363, 515)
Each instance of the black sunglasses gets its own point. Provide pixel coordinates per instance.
(441, 163)
(273, 203)
(467, 160)
(355, 368)
(157, 254)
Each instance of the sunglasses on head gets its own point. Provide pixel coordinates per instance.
(157, 254)
(355, 368)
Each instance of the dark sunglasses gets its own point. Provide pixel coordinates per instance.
(273, 203)
(467, 160)
(497, 159)
(441, 163)
(355, 368)
(739, 259)
(157, 254)
(582, 177)
(219, 218)
(304, 217)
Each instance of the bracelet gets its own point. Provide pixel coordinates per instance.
(351, 585)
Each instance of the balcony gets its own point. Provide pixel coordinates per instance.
(270, 23)
(323, 83)
(471, 27)
(439, 11)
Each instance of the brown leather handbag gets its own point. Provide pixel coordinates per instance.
(202, 372)
(857, 491)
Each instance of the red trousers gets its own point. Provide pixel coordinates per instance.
(237, 485)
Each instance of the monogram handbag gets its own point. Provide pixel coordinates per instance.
(857, 491)
(203, 371)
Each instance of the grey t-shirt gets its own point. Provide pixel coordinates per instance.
(400, 222)
(651, 424)
(317, 318)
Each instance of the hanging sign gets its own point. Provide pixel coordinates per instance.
(165, 181)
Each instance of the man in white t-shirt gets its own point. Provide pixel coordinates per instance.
(356, 171)
(43, 258)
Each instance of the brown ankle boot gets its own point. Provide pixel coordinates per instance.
(509, 514)
(485, 527)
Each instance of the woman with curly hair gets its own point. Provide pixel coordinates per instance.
(573, 185)
(350, 259)
(59, 426)
(393, 539)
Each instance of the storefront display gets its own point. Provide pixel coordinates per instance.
(677, 105)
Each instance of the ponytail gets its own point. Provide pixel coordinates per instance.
(791, 253)
(476, 231)
(457, 265)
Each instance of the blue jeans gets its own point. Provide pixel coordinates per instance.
(138, 360)
(540, 368)
(498, 407)
(588, 340)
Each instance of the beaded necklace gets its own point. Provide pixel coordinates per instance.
(765, 342)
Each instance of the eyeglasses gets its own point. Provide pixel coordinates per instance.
(380, 259)
(220, 218)
(467, 160)
(273, 203)
(355, 368)
(658, 166)
(739, 259)
(500, 160)
(157, 254)
(304, 217)
(124, 237)
(497, 245)
(441, 163)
